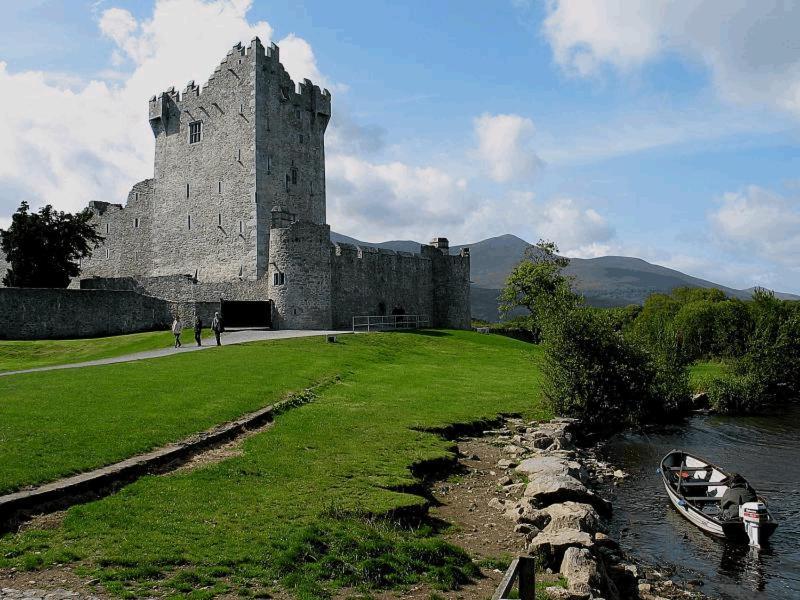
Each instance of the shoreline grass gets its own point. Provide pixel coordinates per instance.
(703, 372)
(305, 493)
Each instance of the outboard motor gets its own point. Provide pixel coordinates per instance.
(753, 514)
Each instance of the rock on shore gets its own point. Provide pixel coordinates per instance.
(548, 497)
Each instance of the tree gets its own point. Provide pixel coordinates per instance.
(538, 284)
(42, 248)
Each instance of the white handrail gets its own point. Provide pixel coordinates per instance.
(389, 322)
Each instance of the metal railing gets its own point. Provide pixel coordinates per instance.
(522, 571)
(388, 322)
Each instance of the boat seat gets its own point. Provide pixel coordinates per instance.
(698, 483)
(690, 469)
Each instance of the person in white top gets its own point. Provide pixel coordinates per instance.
(177, 326)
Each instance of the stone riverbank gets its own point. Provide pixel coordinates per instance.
(538, 494)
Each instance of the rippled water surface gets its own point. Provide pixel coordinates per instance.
(766, 450)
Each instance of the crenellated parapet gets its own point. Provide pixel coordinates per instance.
(306, 95)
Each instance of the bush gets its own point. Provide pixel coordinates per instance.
(735, 395)
(610, 382)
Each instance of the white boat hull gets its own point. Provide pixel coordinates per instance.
(693, 515)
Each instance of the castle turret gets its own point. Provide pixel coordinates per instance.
(299, 273)
(450, 284)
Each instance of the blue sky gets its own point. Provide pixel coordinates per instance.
(664, 130)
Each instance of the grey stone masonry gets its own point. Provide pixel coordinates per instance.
(236, 210)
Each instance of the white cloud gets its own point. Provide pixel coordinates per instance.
(759, 222)
(505, 146)
(749, 47)
(65, 141)
(578, 230)
(376, 201)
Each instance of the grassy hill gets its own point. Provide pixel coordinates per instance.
(293, 508)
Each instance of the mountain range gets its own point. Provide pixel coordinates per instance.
(604, 281)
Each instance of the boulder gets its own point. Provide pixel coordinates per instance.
(558, 593)
(545, 490)
(497, 504)
(542, 442)
(550, 465)
(514, 488)
(505, 463)
(549, 547)
(572, 515)
(580, 570)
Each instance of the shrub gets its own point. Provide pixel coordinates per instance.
(608, 380)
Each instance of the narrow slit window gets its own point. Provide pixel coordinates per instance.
(136, 196)
(189, 222)
(195, 132)
(269, 164)
(187, 190)
(278, 278)
(108, 228)
(288, 179)
(294, 176)
(241, 228)
(219, 187)
(108, 253)
(301, 138)
(219, 219)
(241, 109)
(136, 223)
(239, 155)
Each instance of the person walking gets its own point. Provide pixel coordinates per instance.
(177, 326)
(216, 327)
(198, 330)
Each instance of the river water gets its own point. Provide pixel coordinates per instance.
(766, 450)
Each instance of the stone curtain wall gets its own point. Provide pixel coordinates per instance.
(127, 233)
(366, 279)
(179, 288)
(66, 313)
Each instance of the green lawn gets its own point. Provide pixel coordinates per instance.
(296, 506)
(704, 372)
(24, 354)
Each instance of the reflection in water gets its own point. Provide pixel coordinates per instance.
(766, 451)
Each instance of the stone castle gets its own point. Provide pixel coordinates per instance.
(234, 216)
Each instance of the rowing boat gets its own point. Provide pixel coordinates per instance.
(699, 491)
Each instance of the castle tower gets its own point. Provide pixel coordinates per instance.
(225, 155)
(299, 272)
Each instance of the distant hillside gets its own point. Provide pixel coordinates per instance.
(604, 281)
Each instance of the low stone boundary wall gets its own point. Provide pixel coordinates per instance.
(34, 313)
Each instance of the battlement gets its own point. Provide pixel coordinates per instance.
(305, 95)
(345, 249)
(99, 207)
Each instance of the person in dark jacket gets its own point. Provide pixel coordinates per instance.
(216, 327)
(739, 492)
(198, 330)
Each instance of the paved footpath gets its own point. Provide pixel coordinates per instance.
(234, 336)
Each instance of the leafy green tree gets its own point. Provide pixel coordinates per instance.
(42, 248)
(538, 284)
